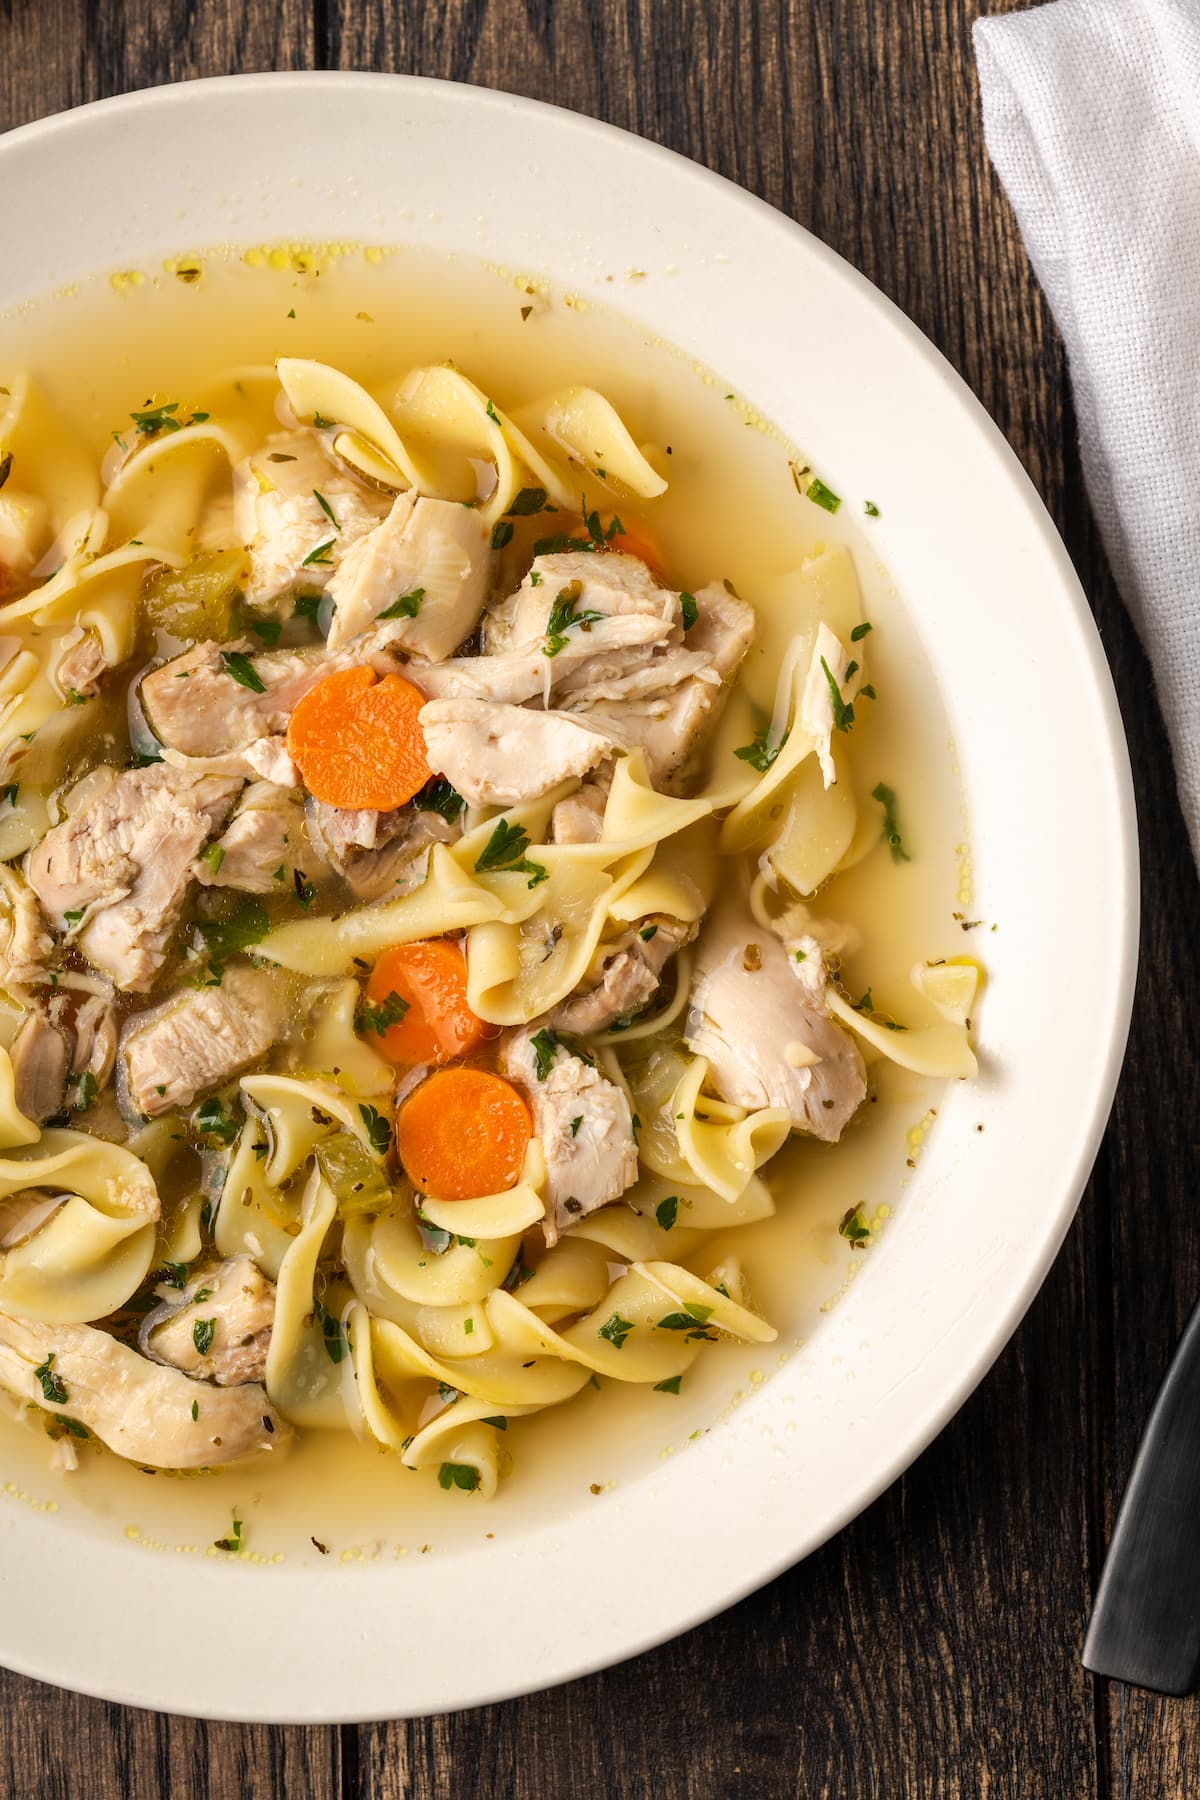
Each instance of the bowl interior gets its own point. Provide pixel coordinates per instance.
(989, 594)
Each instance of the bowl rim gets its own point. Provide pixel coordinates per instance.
(1122, 823)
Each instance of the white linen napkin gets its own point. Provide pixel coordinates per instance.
(1091, 112)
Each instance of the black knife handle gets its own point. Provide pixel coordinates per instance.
(1145, 1625)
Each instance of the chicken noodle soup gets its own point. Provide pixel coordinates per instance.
(411, 946)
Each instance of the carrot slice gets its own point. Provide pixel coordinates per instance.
(357, 741)
(462, 1134)
(431, 978)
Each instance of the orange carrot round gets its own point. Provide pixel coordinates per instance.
(431, 978)
(462, 1134)
(357, 741)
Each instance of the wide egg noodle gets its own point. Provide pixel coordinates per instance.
(331, 1046)
(303, 1379)
(95, 1249)
(591, 431)
(688, 1136)
(52, 472)
(942, 1050)
(157, 495)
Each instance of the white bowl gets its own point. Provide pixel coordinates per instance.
(1001, 615)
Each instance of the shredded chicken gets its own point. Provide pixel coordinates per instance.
(96, 1034)
(585, 1127)
(291, 537)
(198, 1038)
(143, 1410)
(80, 669)
(378, 854)
(197, 704)
(39, 1065)
(262, 844)
(628, 977)
(238, 1302)
(497, 755)
(121, 864)
(766, 1042)
(431, 560)
(25, 944)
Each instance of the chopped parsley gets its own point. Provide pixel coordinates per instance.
(321, 423)
(670, 1386)
(318, 558)
(266, 629)
(693, 1319)
(306, 606)
(564, 618)
(492, 413)
(843, 710)
(667, 1211)
(213, 856)
(73, 917)
(891, 828)
(379, 1132)
(239, 668)
(504, 853)
(440, 797)
(762, 752)
(151, 419)
(195, 1411)
(174, 1274)
(53, 1386)
(11, 792)
(576, 1122)
(381, 1018)
(5, 467)
(325, 507)
(647, 932)
(498, 1422)
(86, 1089)
(544, 1044)
(334, 1334)
(406, 607)
(870, 508)
(305, 891)
(246, 925)
(821, 495)
(233, 1542)
(202, 1335)
(854, 1229)
(860, 631)
(529, 500)
(75, 698)
(459, 1475)
(616, 1330)
(689, 609)
(501, 534)
(213, 1121)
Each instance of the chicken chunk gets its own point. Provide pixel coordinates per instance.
(25, 944)
(195, 704)
(629, 977)
(143, 1410)
(96, 1033)
(239, 1303)
(816, 702)
(277, 514)
(665, 706)
(260, 846)
(579, 819)
(432, 553)
(585, 1127)
(123, 861)
(766, 1042)
(520, 675)
(199, 1038)
(603, 582)
(377, 853)
(80, 668)
(39, 1065)
(497, 755)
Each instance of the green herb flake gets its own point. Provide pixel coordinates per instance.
(75, 698)
(232, 1543)
(321, 423)
(213, 1121)
(468, 1327)
(325, 507)
(268, 630)
(174, 1274)
(246, 925)
(86, 1089)
(762, 752)
(318, 558)
(6, 463)
(860, 631)
(213, 856)
(53, 1387)
(406, 607)
(73, 917)
(689, 609)
(504, 853)
(854, 1229)
(195, 1411)
(670, 1386)
(306, 893)
(870, 508)
(239, 668)
(891, 828)
(379, 1132)
(564, 618)
(667, 1211)
(616, 1330)
(492, 413)
(501, 534)
(459, 1475)
(497, 1421)
(843, 710)
(334, 1334)
(11, 792)
(440, 797)
(544, 1044)
(648, 932)
(202, 1335)
(576, 1122)
(820, 495)
(381, 1018)
(529, 500)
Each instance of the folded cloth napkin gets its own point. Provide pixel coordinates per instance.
(1091, 111)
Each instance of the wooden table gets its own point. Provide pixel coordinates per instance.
(933, 1648)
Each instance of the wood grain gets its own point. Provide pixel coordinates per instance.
(933, 1648)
